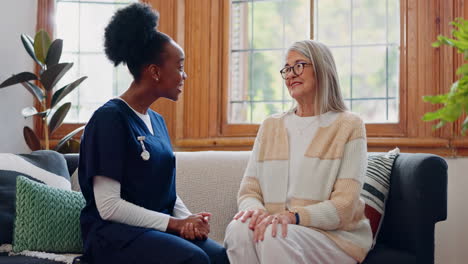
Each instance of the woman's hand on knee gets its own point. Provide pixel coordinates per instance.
(259, 232)
(256, 216)
(283, 219)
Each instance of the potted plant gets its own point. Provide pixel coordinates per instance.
(455, 102)
(46, 54)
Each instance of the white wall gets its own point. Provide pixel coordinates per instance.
(452, 234)
(17, 16)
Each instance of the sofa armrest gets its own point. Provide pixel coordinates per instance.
(417, 200)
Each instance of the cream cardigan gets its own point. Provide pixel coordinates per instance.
(326, 194)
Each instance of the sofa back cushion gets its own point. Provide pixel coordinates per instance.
(44, 166)
(209, 181)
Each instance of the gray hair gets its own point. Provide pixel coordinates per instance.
(327, 86)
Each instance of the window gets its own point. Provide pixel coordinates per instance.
(260, 33)
(81, 24)
(363, 35)
(201, 119)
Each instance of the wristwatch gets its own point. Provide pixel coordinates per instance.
(296, 214)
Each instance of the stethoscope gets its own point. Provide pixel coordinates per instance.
(145, 155)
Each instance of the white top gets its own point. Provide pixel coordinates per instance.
(112, 207)
(300, 132)
(145, 117)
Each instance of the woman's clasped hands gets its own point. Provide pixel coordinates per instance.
(195, 227)
(260, 219)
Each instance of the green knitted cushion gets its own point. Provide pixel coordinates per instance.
(47, 218)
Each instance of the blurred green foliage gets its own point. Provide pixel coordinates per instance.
(455, 102)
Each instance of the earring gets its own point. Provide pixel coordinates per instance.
(156, 78)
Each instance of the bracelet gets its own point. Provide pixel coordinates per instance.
(296, 214)
(297, 217)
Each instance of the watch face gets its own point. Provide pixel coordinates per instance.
(145, 155)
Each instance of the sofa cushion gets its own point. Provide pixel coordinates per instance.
(47, 218)
(43, 166)
(75, 184)
(209, 181)
(376, 187)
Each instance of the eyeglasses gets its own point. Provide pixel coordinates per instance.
(297, 69)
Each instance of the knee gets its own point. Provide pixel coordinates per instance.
(198, 256)
(237, 231)
(269, 241)
(219, 256)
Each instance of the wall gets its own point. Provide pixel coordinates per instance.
(17, 16)
(452, 234)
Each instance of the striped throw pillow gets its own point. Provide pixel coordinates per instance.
(376, 187)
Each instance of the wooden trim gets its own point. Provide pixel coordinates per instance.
(45, 21)
(220, 142)
(66, 128)
(312, 25)
(407, 142)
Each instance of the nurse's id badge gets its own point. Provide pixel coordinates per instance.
(145, 155)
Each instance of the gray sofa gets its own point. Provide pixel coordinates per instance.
(209, 180)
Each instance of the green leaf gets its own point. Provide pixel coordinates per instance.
(432, 116)
(54, 53)
(451, 112)
(436, 44)
(64, 91)
(29, 111)
(71, 146)
(58, 117)
(52, 75)
(32, 140)
(462, 70)
(41, 45)
(28, 44)
(436, 99)
(464, 126)
(439, 125)
(18, 78)
(34, 90)
(32, 111)
(68, 137)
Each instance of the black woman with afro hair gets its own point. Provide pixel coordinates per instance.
(127, 166)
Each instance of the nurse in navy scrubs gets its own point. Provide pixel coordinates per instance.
(127, 166)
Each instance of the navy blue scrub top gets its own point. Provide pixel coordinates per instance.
(110, 148)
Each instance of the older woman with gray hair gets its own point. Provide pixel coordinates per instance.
(299, 198)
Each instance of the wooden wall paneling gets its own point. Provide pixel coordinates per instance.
(447, 56)
(169, 23)
(180, 35)
(45, 21)
(217, 66)
(197, 48)
(412, 60)
(427, 30)
(460, 142)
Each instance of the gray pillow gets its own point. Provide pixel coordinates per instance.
(44, 166)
